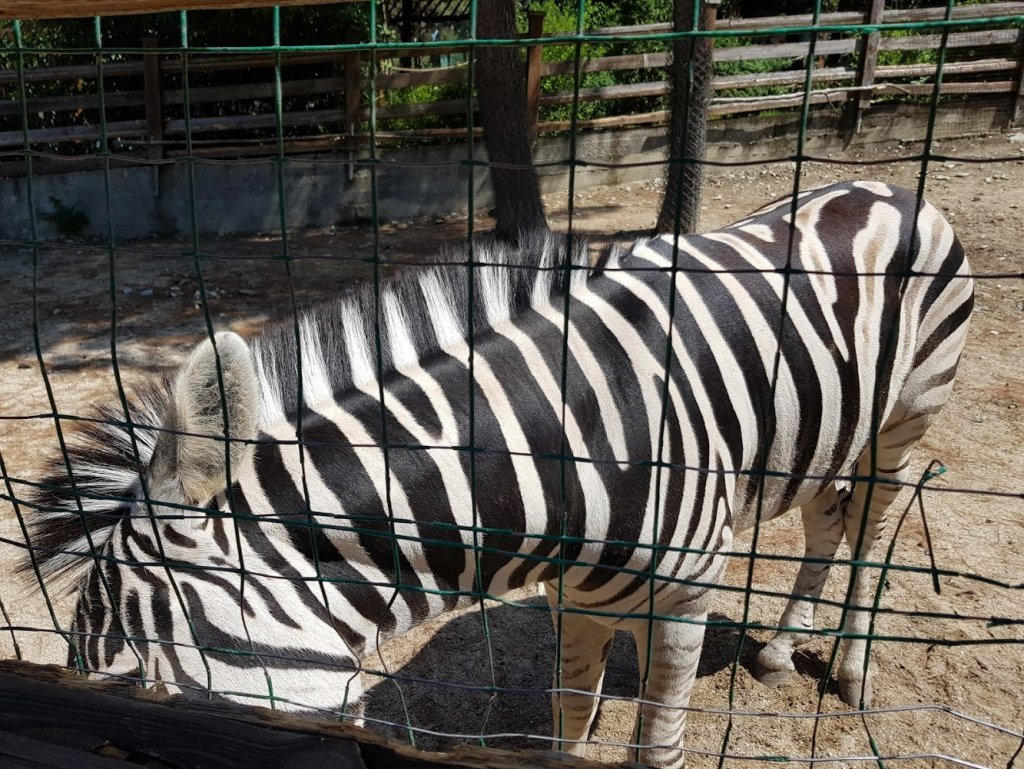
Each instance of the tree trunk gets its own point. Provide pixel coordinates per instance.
(501, 89)
(691, 75)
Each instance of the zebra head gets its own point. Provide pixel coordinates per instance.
(186, 585)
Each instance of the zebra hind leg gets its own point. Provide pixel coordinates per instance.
(823, 530)
(665, 686)
(583, 654)
(864, 520)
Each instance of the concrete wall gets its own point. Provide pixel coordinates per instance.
(242, 196)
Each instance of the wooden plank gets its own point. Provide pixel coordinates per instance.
(784, 50)
(954, 40)
(614, 121)
(196, 63)
(416, 77)
(71, 9)
(20, 752)
(78, 133)
(266, 120)
(774, 79)
(9, 76)
(74, 103)
(87, 720)
(951, 68)
(265, 90)
(47, 704)
(608, 93)
(610, 63)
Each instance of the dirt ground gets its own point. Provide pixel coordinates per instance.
(970, 670)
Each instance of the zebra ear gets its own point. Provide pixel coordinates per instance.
(190, 454)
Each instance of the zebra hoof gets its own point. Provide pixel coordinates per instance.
(772, 668)
(850, 690)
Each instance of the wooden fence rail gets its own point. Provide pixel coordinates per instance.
(231, 97)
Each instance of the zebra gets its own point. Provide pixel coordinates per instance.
(265, 518)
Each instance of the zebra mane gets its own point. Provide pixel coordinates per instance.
(84, 494)
(421, 310)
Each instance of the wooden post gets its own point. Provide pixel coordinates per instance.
(1017, 112)
(710, 8)
(867, 51)
(534, 60)
(154, 108)
(353, 96)
(405, 35)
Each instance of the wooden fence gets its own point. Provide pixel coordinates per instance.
(327, 94)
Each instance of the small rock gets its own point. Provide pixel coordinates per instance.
(1016, 138)
(126, 290)
(145, 292)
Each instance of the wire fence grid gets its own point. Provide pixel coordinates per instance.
(485, 680)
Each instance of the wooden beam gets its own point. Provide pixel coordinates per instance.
(51, 718)
(72, 9)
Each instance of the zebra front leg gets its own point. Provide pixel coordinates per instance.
(823, 530)
(665, 686)
(583, 654)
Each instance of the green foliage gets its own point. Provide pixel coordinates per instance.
(426, 94)
(562, 17)
(70, 221)
(754, 66)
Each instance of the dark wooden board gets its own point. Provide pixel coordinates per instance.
(52, 719)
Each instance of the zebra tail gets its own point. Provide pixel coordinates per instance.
(88, 490)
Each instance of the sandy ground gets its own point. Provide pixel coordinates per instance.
(971, 669)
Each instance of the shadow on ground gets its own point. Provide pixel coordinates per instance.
(444, 688)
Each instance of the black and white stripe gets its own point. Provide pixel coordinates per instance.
(339, 538)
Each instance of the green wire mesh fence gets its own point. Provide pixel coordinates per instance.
(89, 309)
